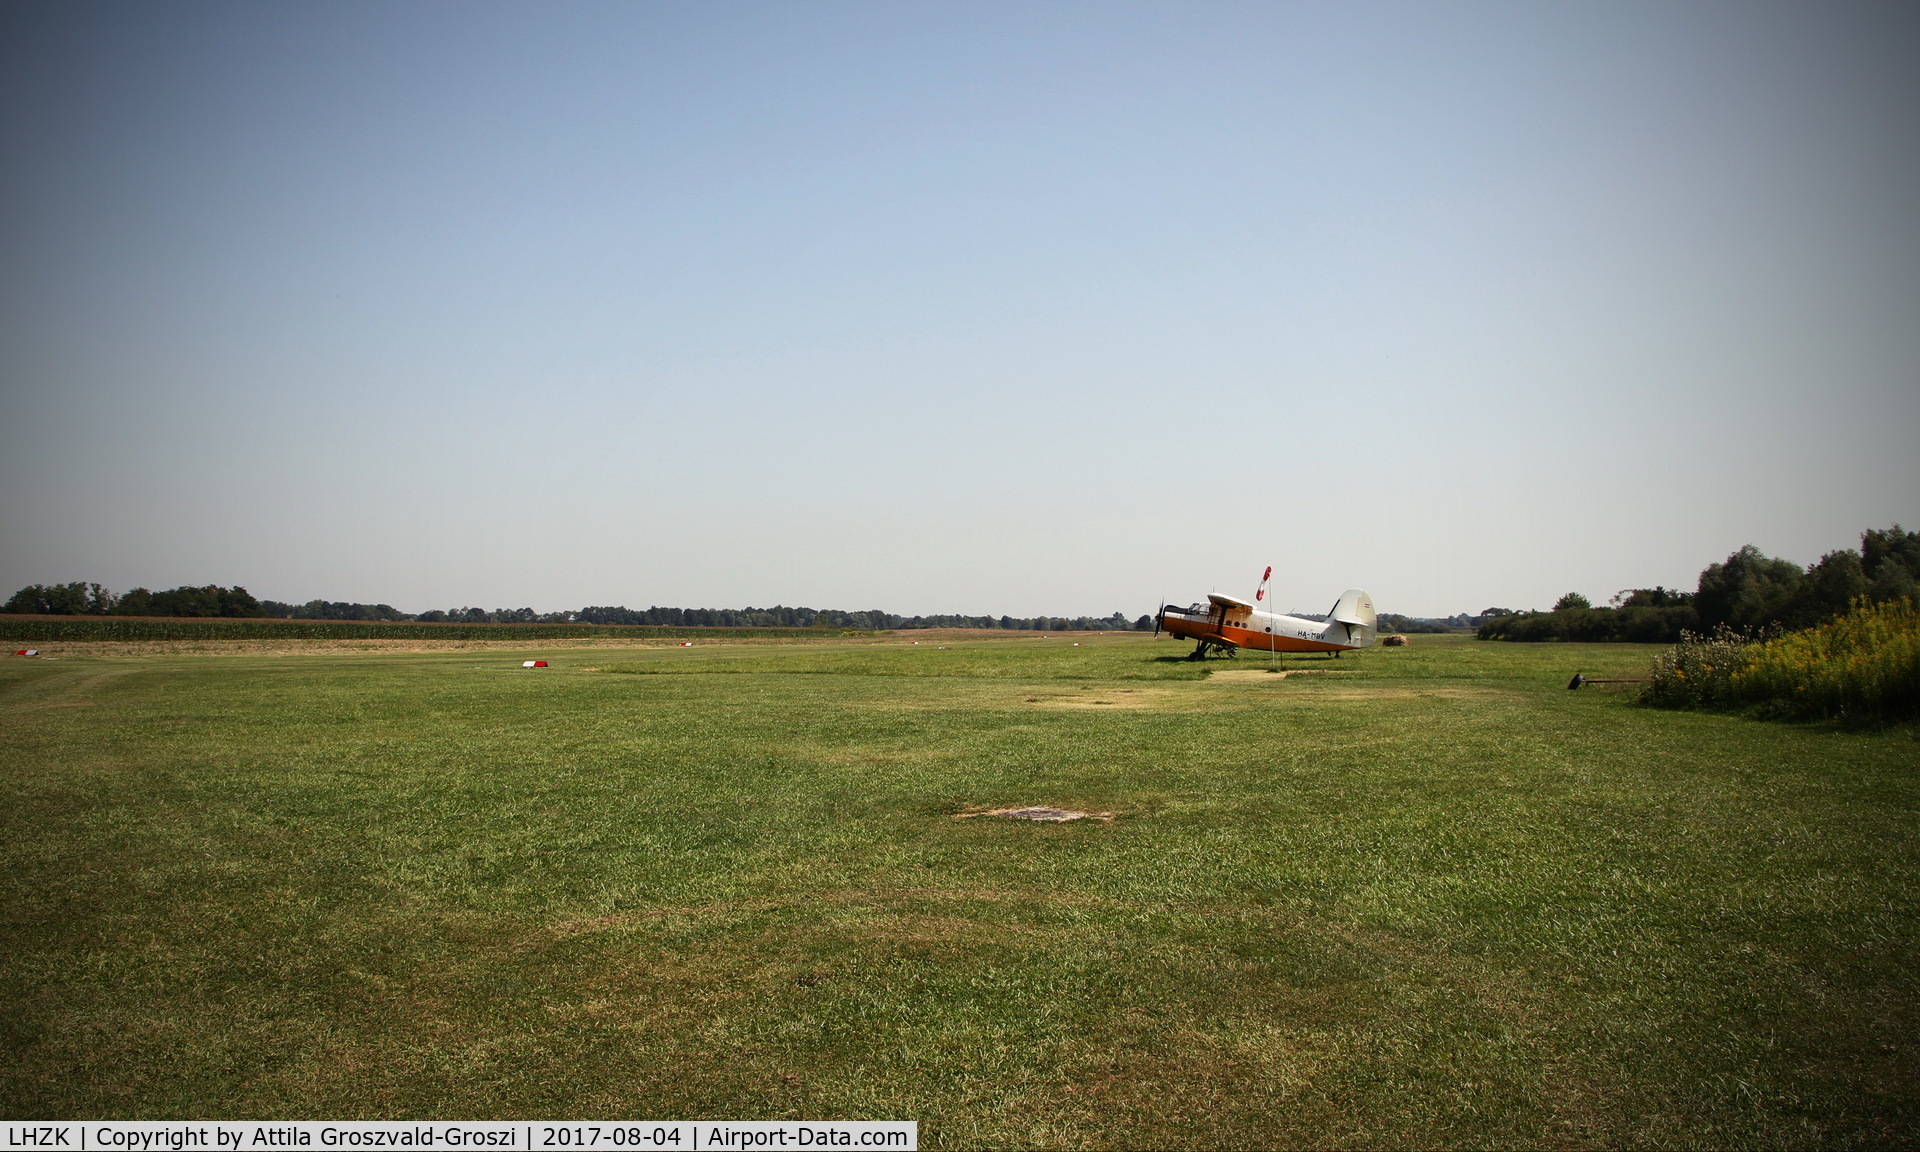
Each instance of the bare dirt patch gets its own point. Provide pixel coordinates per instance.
(993, 634)
(1412, 692)
(1039, 813)
(1263, 676)
(1101, 698)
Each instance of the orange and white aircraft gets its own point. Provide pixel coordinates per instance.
(1225, 624)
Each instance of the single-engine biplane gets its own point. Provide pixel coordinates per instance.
(1225, 624)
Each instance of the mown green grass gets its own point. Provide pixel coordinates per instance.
(1421, 897)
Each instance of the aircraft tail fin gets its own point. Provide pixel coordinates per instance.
(1354, 614)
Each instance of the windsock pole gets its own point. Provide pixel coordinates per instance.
(1273, 649)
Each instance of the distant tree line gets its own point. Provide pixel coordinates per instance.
(1463, 622)
(86, 599)
(779, 616)
(496, 616)
(1749, 592)
(332, 610)
(83, 599)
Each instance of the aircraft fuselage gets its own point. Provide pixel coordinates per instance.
(1229, 623)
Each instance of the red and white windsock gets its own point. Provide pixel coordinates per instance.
(1261, 592)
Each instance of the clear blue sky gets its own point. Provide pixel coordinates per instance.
(973, 308)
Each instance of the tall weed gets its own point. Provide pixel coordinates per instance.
(1863, 665)
(1699, 671)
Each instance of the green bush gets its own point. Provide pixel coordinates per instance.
(1662, 625)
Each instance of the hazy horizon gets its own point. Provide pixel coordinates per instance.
(971, 309)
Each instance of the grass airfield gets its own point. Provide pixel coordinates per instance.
(1418, 897)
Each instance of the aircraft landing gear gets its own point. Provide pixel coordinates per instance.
(1207, 647)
